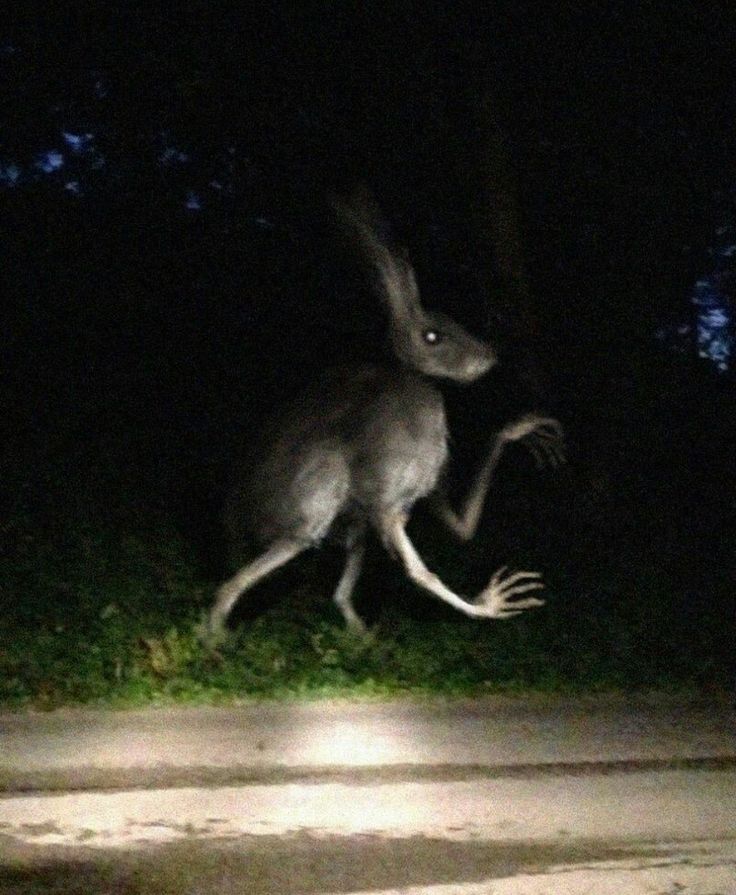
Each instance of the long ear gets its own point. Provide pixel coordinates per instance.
(360, 219)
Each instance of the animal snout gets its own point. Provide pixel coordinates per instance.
(478, 366)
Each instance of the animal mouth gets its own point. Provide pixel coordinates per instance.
(477, 367)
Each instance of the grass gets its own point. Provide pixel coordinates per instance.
(102, 586)
(106, 611)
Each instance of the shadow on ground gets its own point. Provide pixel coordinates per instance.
(298, 864)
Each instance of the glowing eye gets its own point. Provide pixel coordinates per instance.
(432, 337)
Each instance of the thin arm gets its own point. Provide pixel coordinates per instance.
(496, 600)
(465, 523)
(541, 435)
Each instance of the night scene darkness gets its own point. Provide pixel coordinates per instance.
(286, 286)
(174, 274)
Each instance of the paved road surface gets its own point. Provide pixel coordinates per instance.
(491, 796)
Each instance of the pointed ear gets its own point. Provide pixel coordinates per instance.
(361, 221)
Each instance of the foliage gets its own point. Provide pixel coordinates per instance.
(146, 336)
(103, 598)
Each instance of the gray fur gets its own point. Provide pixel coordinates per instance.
(365, 442)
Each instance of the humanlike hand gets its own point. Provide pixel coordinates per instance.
(495, 600)
(543, 436)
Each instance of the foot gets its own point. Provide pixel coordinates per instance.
(359, 637)
(356, 626)
(495, 601)
(210, 630)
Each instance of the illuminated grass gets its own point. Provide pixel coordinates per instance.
(99, 616)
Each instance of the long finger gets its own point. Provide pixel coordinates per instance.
(539, 456)
(517, 576)
(530, 603)
(521, 589)
(552, 448)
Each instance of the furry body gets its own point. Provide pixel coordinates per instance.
(359, 444)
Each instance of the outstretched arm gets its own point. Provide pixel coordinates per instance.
(541, 435)
(500, 597)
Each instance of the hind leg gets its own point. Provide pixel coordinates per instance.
(302, 510)
(343, 596)
(228, 594)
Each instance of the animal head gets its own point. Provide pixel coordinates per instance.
(429, 342)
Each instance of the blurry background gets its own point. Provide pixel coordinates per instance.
(169, 271)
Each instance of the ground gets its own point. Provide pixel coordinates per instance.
(592, 795)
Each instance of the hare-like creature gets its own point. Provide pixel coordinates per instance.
(367, 441)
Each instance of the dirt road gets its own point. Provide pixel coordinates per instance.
(507, 796)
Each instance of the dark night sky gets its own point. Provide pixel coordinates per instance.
(173, 273)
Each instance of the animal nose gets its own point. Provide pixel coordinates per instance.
(480, 365)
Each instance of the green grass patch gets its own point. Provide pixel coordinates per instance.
(107, 612)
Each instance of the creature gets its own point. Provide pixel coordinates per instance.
(366, 442)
